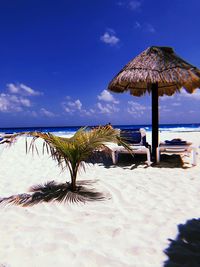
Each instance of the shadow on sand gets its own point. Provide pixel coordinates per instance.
(184, 251)
(139, 160)
(52, 191)
(171, 161)
(125, 160)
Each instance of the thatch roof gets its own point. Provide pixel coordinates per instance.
(156, 65)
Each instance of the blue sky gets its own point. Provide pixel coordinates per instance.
(58, 56)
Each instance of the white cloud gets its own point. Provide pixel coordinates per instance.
(130, 4)
(22, 89)
(68, 110)
(87, 112)
(150, 28)
(134, 4)
(47, 113)
(17, 99)
(33, 113)
(29, 90)
(107, 97)
(176, 104)
(164, 109)
(166, 97)
(92, 110)
(12, 88)
(72, 106)
(137, 25)
(4, 103)
(183, 94)
(120, 3)
(107, 108)
(12, 103)
(135, 108)
(76, 106)
(145, 27)
(109, 37)
(195, 95)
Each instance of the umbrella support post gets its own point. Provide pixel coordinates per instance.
(160, 71)
(155, 118)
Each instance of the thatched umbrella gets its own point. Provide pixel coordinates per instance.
(159, 71)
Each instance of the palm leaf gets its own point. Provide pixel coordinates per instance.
(69, 153)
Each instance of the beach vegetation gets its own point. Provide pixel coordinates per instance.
(71, 154)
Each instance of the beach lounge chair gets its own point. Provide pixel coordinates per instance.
(137, 142)
(179, 147)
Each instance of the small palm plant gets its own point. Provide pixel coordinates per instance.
(70, 153)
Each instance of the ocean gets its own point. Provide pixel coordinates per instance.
(72, 129)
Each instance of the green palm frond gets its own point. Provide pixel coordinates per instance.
(70, 153)
(79, 146)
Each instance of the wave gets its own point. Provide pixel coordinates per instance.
(70, 130)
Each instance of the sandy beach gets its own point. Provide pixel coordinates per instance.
(130, 228)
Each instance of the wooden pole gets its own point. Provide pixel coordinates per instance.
(155, 119)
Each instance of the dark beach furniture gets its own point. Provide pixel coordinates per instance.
(159, 71)
(179, 147)
(136, 138)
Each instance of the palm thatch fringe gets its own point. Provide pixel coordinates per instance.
(156, 65)
(52, 191)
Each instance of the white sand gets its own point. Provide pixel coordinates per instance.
(129, 229)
